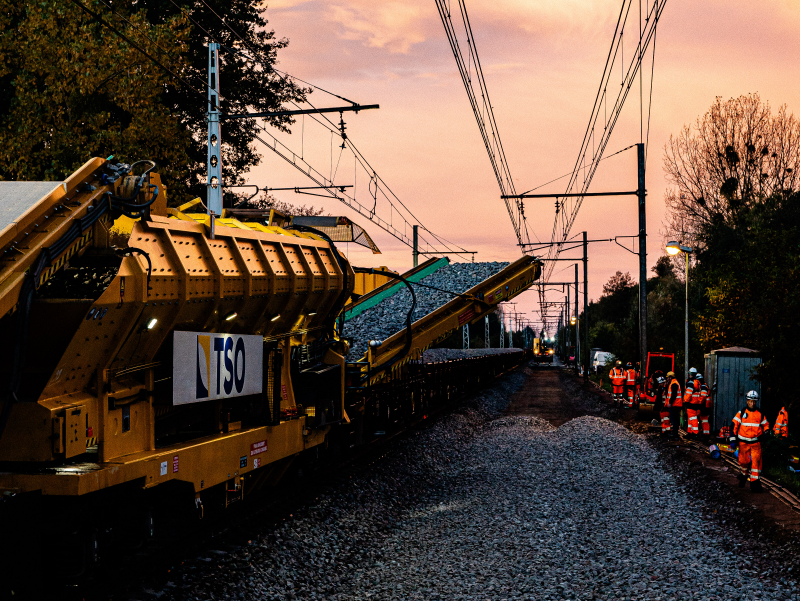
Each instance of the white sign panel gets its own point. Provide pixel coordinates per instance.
(206, 367)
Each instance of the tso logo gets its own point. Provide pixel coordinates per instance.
(215, 366)
(229, 359)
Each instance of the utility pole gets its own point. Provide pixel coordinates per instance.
(577, 325)
(586, 305)
(214, 165)
(642, 263)
(415, 251)
(566, 318)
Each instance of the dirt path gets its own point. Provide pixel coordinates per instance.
(553, 394)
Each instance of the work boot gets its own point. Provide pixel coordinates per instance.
(742, 480)
(755, 486)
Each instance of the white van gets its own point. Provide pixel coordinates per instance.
(601, 360)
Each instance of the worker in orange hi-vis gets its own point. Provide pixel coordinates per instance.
(630, 384)
(617, 375)
(673, 399)
(782, 423)
(691, 400)
(663, 410)
(748, 426)
(706, 404)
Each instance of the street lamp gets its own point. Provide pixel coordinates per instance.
(674, 248)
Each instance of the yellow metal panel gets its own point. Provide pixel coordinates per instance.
(203, 463)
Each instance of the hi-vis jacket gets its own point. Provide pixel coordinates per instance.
(617, 375)
(705, 397)
(749, 425)
(672, 394)
(782, 423)
(694, 395)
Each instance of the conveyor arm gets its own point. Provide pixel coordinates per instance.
(435, 327)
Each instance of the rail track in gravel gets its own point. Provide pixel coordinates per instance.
(118, 573)
(774, 488)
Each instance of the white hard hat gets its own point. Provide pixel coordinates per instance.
(699, 376)
(752, 395)
(692, 370)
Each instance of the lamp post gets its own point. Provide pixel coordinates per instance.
(674, 248)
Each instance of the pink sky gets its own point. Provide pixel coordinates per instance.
(542, 62)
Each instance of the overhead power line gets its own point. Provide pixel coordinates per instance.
(484, 114)
(378, 187)
(602, 120)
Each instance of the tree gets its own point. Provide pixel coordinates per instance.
(751, 278)
(736, 200)
(73, 89)
(266, 202)
(735, 156)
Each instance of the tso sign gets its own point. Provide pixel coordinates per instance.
(215, 366)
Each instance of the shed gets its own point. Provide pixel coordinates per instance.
(730, 375)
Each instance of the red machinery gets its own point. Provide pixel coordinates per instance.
(658, 365)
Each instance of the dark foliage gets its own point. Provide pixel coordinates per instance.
(72, 89)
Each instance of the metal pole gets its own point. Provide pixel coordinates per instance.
(642, 264)
(465, 336)
(586, 304)
(577, 325)
(566, 318)
(415, 252)
(486, 333)
(686, 326)
(214, 164)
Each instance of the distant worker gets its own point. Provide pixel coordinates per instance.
(692, 375)
(782, 423)
(706, 404)
(691, 400)
(748, 425)
(617, 375)
(630, 384)
(673, 401)
(661, 405)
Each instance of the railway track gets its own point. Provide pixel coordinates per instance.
(774, 488)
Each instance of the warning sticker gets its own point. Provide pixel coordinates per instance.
(163, 468)
(466, 316)
(258, 447)
(285, 393)
(175, 464)
(256, 462)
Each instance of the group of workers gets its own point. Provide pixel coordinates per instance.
(623, 382)
(748, 429)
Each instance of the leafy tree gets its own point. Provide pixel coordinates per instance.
(751, 278)
(736, 155)
(72, 89)
(736, 198)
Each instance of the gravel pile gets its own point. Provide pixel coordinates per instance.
(389, 317)
(504, 509)
(449, 354)
(324, 550)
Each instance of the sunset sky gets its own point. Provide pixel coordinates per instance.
(542, 61)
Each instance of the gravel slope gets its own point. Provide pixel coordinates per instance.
(504, 509)
(531, 513)
(389, 317)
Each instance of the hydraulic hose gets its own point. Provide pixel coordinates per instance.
(409, 315)
(131, 250)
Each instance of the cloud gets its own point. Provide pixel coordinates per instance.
(394, 26)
